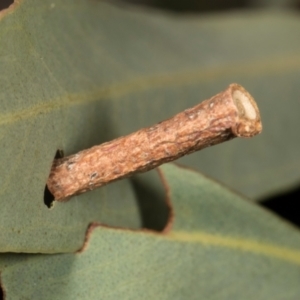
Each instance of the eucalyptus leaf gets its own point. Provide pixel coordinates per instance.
(76, 73)
(217, 246)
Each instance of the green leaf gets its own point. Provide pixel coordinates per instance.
(76, 73)
(219, 246)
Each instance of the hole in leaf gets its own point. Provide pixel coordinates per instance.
(1, 292)
(5, 4)
(285, 205)
(48, 197)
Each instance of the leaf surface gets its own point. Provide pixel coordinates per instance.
(76, 73)
(220, 246)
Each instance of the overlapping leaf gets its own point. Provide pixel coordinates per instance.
(219, 247)
(78, 73)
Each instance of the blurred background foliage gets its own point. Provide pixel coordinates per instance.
(284, 203)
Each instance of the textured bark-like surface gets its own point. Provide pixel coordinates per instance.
(231, 113)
